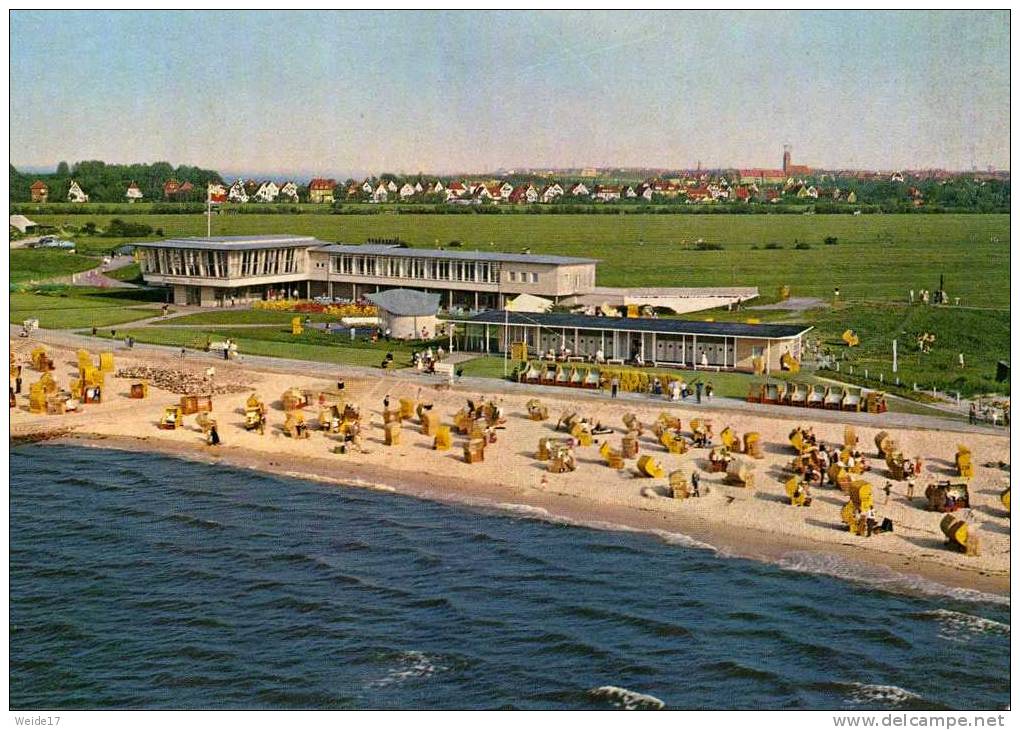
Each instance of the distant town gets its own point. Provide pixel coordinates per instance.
(788, 183)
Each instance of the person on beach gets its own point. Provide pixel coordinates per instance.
(614, 386)
(95, 330)
(696, 484)
(972, 416)
(888, 491)
(697, 388)
(709, 389)
(871, 520)
(214, 436)
(910, 488)
(17, 381)
(386, 402)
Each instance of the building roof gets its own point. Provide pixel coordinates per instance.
(660, 326)
(405, 302)
(433, 253)
(236, 243)
(21, 222)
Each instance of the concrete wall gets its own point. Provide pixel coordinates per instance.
(408, 328)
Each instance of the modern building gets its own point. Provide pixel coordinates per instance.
(722, 345)
(220, 270)
(407, 314)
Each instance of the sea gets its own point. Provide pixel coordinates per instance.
(142, 581)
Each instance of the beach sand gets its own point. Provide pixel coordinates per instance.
(759, 525)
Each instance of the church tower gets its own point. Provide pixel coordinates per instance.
(786, 159)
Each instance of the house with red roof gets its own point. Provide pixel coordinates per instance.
(320, 190)
(40, 192)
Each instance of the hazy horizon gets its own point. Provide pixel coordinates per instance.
(355, 93)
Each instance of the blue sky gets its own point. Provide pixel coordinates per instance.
(456, 91)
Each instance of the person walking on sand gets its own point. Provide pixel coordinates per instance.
(972, 415)
(888, 491)
(17, 381)
(614, 386)
(910, 489)
(386, 402)
(695, 484)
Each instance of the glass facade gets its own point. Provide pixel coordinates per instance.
(407, 267)
(197, 263)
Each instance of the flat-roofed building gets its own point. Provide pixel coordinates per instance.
(474, 279)
(234, 269)
(222, 270)
(676, 342)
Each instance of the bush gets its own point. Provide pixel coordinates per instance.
(454, 244)
(802, 246)
(706, 246)
(831, 240)
(772, 246)
(120, 228)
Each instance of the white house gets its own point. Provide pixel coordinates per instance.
(897, 177)
(437, 189)
(391, 186)
(237, 194)
(407, 190)
(629, 192)
(289, 191)
(504, 191)
(418, 187)
(579, 190)
(605, 193)
(76, 195)
(455, 190)
(381, 194)
(366, 187)
(133, 193)
(267, 192)
(551, 192)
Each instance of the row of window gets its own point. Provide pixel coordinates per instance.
(525, 277)
(402, 267)
(217, 265)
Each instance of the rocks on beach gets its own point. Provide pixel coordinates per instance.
(184, 382)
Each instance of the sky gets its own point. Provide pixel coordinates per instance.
(442, 92)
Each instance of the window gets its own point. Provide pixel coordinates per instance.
(534, 277)
(513, 276)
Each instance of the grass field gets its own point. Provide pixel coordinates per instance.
(36, 264)
(279, 342)
(877, 257)
(66, 308)
(248, 316)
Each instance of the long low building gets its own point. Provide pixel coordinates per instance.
(224, 270)
(672, 342)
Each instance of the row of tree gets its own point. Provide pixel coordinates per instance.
(105, 183)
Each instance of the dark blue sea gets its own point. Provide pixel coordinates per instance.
(140, 581)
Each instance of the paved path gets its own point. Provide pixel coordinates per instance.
(473, 384)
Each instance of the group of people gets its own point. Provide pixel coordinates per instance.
(425, 361)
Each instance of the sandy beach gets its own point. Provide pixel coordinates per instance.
(736, 522)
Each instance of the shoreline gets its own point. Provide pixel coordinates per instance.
(885, 570)
(757, 524)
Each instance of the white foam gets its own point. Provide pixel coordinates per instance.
(863, 694)
(626, 698)
(410, 665)
(538, 513)
(961, 627)
(880, 576)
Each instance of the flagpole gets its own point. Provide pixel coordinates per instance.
(208, 212)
